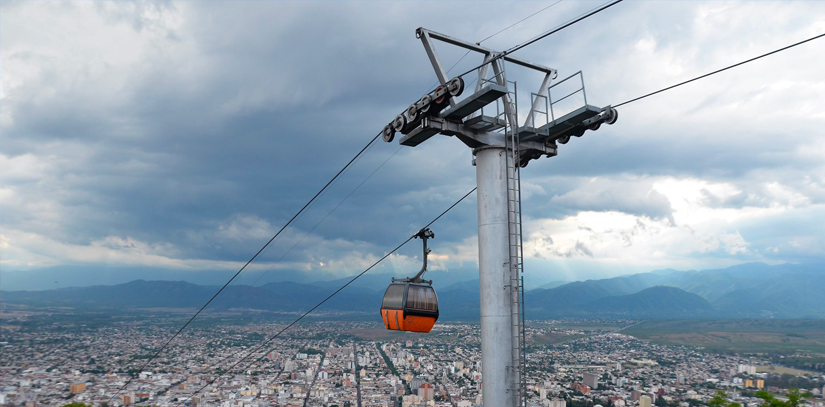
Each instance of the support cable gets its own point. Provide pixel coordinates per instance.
(310, 231)
(546, 34)
(451, 68)
(273, 337)
(721, 70)
(341, 171)
(501, 55)
(518, 22)
(299, 242)
(497, 33)
(563, 26)
(513, 49)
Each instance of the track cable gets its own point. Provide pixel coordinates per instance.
(261, 250)
(357, 276)
(496, 57)
(721, 70)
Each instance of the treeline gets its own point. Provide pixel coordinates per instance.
(387, 360)
(787, 381)
(794, 399)
(804, 362)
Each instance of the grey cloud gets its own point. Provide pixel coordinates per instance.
(578, 250)
(713, 201)
(246, 109)
(635, 196)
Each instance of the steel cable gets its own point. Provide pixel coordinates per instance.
(721, 70)
(338, 174)
(545, 35)
(497, 33)
(259, 347)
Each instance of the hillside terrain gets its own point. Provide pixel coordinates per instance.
(743, 291)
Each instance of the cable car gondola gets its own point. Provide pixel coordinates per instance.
(410, 304)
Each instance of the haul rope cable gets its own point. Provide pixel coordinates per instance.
(396, 152)
(405, 242)
(302, 239)
(502, 54)
(491, 36)
(341, 171)
(518, 22)
(368, 145)
(714, 72)
(314, 227)
(258, 348)
(720, 70)
(451, 68)
(496, 57)
(512, 49)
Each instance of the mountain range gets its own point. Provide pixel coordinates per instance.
(752, 290)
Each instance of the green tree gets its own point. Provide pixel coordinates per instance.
(720, 399)
(794, 396)
(75, 405)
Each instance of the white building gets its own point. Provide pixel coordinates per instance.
(747, 369)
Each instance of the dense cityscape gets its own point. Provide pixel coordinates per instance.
(359, 364)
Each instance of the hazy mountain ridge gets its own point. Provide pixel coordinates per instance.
(654, 302)
(751, 290)
(745, 290)
(284, 296)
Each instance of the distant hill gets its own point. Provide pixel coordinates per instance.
(568, 295)
(790, 294)
(654, 302)
(744, 291)
(283, 296)
(86, 276)
(554, 284)
(753, 290)
(459, 301)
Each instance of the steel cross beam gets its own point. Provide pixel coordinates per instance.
(475, 138)
(439, 69)
(421, 31)
(426, 36)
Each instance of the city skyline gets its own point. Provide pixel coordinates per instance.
(569, 367)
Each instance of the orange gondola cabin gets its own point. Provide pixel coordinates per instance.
(409, 307)
(410, 304)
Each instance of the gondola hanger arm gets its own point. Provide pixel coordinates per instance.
(422, 234)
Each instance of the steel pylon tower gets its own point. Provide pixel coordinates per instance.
(487, 122)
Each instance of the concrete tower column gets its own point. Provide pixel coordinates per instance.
(494, 277)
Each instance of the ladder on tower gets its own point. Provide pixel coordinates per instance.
(516, 251)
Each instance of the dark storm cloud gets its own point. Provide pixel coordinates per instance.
(251, 117)
(211, 124)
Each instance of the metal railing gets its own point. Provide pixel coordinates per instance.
(554, 102)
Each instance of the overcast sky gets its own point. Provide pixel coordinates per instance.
(183, 135)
